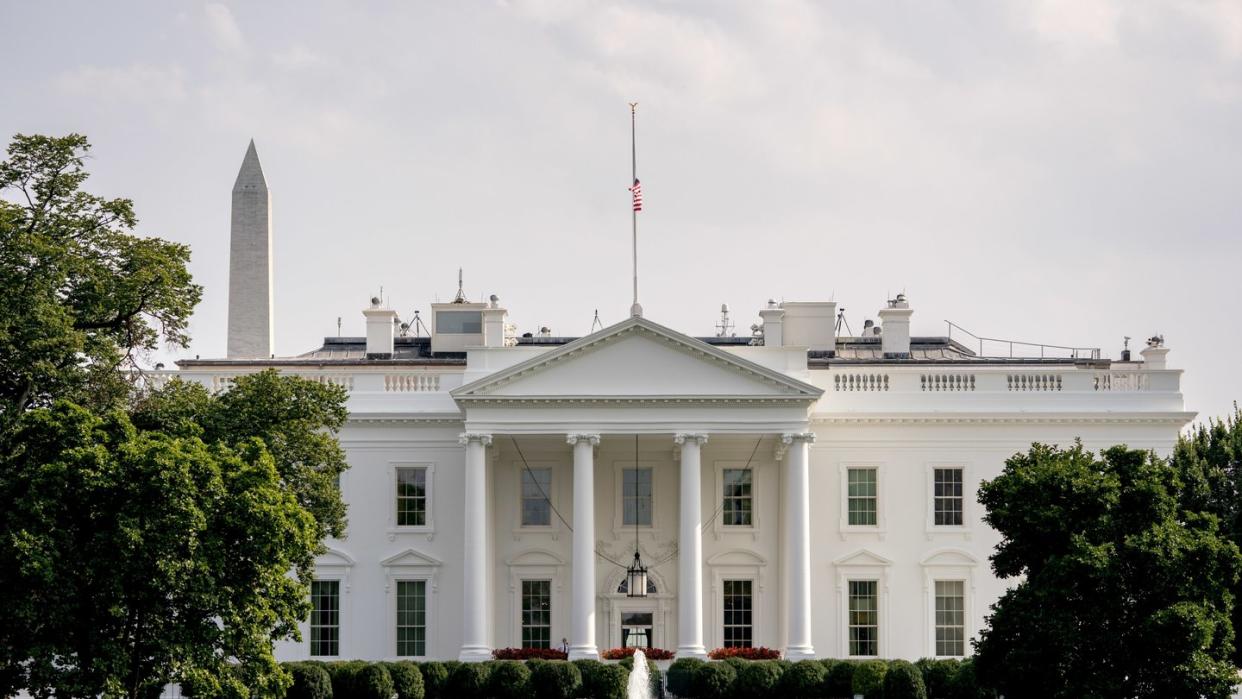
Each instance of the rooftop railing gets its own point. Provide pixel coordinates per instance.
(1017, 348)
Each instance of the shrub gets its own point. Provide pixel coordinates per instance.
(759, 653)
(903, 680)
(509, 679)
(804, 680)
(651, 653)
(938, 677)
(468, 680)
(529, 654)
(310, 681)
(372, 682)
(407, 680)
(681, 677)
(657, 686)
(758, 680)
(869, 679)
(609, 682)
(839, 681)
(344, 676)
(965, 685)
(714, 680)
(737, 663)
(435, 677)
(555, 680)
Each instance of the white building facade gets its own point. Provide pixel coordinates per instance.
(799, 490)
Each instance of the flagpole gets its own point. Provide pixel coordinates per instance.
(635, 310)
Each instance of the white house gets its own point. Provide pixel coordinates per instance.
(798, 489)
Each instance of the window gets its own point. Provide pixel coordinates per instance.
(864, 618)
(459, 322)
(947, 497)
(737, 504)
(738, 609)
(325, 620)
(950, 618)
(536, 613)
(636, 629)
(636, 497)
(411, 618)
(862, 497)
(412, 497)
(536, 489)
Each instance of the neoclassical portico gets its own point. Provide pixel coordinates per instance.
(636, 378)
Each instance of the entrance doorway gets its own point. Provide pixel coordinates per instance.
(637, 629)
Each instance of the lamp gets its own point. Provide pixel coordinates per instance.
(636, 574)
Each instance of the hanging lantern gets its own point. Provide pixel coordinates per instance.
(636, 578)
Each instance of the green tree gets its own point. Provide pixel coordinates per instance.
(1209, 461)
(1122, 590)
(132, 558)
(81, 296)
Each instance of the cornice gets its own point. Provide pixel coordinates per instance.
(635, 400)
(1179, 419)
(407, 418)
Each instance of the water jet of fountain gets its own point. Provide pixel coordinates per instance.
(639, 686)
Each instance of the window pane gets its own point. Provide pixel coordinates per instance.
(636, 503)
(737, 506)
(864, 618)
(536, 613)
(536, 489)
(411, 497)
(459, 322)
(738, 610)
(411, 617)
(862, 504)
(325, 621)
(950, 618)
(947, 497)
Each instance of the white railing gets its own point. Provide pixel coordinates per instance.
(860, 382)
(1122, 381)
(392, 382)
(1034, 382)
(947, 382)
(402, 383)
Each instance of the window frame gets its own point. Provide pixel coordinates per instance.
(948, 564)
(340, 614)
(756, 469)
(549, 492)
(880, 527)
(522, 596)
(850, 626)
(964, 529)
(396, 626)
(725, 584)
(619, 528)
(863, 565)
(429, 492)
(936, 625)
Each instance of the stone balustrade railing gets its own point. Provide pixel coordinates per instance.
(1008, 380)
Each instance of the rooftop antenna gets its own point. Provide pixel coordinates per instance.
(461, 295)
(636, 189)
(338, 326)
(597, 324)
(725, 326)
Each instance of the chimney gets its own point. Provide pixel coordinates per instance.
(1155, 353)
(895, 324)
(380, 323)
(494, 323)
(810, 324)
(773, 325)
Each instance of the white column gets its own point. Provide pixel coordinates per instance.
(582, 617)
(797, 479)
(690, 550)
(474, 618)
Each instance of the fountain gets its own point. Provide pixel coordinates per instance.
(639, 686)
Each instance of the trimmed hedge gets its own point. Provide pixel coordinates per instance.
(407, 680)
(681, 677)
(803, 680)
(373, 682)
(469, 680)
(510, 679)
(310, 681)
(839, 682)
(760, 679)
(554, 679)
(903, 681)
(435, 679)
(714, 680)
(869, 679)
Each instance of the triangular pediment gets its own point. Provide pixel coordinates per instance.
(411, 559)
(637, 359)
(862, 557)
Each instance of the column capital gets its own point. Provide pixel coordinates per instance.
(574, 437)
(696, 437)
(791, 437)
(481, 437)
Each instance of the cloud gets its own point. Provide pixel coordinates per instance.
(222, 28)
(150, 86)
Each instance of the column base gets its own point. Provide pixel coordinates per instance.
(692, 652)
(583, 653)
(796, 653)
(474, 654)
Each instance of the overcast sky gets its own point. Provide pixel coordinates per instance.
(1066, 172)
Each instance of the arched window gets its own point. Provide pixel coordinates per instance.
(624, 587)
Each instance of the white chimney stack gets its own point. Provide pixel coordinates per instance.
(895, 323)
(1155, 353)
(773, 325)
(494, 323)
(380, 326)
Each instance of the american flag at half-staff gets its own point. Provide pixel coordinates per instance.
(637, 190)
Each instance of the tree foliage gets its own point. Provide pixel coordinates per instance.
(133, 558)
(80, 294)
(1122, 590)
